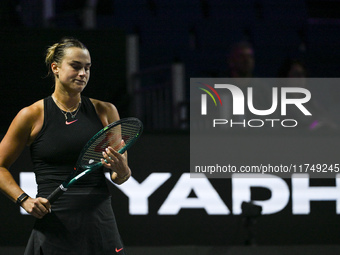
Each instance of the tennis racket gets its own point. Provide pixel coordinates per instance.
(120, 135)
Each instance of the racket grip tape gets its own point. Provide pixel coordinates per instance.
(56, 194)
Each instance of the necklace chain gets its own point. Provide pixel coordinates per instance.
(68, 109)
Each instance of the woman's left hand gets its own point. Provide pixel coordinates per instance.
(117, 163)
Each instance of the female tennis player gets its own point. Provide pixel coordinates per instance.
(56, 128)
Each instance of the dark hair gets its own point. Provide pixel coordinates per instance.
(56, 52)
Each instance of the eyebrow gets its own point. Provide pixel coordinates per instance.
(77, 62)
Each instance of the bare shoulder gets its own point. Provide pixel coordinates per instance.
(22, 131)
(106, 111)
(33, 111)
(29, 120)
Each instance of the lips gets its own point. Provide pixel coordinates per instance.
(82, 82)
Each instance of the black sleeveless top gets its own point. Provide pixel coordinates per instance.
(82, 221)
(55, 150)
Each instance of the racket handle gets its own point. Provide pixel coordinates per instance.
(56, 194)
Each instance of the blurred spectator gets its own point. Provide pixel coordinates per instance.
(297, 72)
(241, 60)
(241, 64)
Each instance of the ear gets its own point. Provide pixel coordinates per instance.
(55, 68)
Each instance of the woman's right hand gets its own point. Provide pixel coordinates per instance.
(37, 207)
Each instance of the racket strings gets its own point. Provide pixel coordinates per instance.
(118, 137)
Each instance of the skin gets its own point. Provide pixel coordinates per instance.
(71, 77)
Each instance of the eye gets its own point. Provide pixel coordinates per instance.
(76, 67)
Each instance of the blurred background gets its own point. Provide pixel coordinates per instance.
(144, 53)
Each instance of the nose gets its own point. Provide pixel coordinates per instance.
(82, 72)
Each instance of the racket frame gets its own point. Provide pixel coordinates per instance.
(87, 169)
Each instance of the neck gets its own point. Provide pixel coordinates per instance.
(67, 102)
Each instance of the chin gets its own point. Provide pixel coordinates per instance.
(80, 88)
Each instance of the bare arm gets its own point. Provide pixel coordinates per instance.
(116, 162)
(17, 137)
